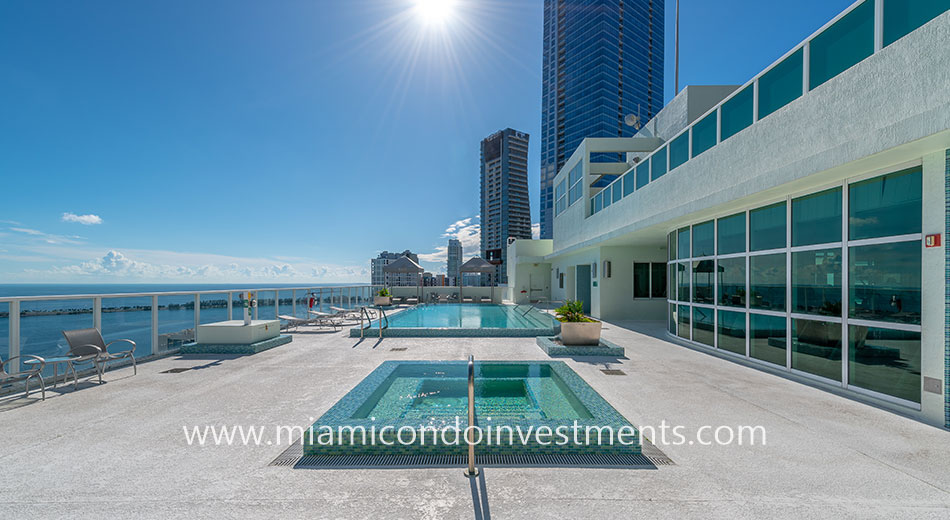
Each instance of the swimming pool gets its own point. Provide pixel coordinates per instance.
(424, 398)
(467, 320)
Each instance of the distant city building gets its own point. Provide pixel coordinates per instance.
(602, 60)
(505, 211)
(378, 277)
(453, 261)
(433, 280)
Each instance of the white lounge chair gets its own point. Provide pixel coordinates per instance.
(468, 299)
(412, 300)
(485, 299)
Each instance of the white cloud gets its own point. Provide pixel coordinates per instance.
(467, 231)
(86, 220)
(536, 230)
(47, 237)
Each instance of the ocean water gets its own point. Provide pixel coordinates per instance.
(130, 317)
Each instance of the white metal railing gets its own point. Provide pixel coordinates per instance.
(42, 322)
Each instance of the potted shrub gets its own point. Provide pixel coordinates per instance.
(576, 328)
(383, 298)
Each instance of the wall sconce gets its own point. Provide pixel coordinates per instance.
(606, 268)
(593, 270)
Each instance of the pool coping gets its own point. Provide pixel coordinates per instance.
(340, 415)
(458, 332)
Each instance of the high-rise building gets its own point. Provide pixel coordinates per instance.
(378, 277)
(602, 61)
(504, 194)
(454, 261)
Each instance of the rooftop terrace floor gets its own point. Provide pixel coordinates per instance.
(119, 449)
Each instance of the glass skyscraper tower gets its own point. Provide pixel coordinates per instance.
(603, 60)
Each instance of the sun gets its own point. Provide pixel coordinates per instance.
(435, 11)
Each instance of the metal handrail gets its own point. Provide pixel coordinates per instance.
(469, 433)
(369, 321)
(382, 317)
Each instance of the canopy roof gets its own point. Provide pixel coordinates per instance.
(403, 264)
(477, 264)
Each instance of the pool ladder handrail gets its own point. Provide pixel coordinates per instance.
(364, 311)
(472, 471)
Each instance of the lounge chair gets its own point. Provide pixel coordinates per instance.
(412, 300)
(485, 299)
(325, 319)
(398, 300)
(468, 299)
(89, 347)
(443, 298)
(35, 370)
(346, 314)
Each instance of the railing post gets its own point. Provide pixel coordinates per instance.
(320, 300)
(293, 302)
(276, 303)
(469, 431)
(230, 306)
(155, 346)
(197, 314)
(14, 309)
(258, 306)
(97, 313)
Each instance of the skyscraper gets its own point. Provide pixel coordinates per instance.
(454, 261)
(504, 193)
(603, 60)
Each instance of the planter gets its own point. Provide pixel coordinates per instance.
(383, 301)
(580, 333)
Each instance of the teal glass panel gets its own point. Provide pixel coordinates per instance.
(816, 282)
(767, 227)
(884, 282)
(658, 280)
(703, 279)
(767, 338)
(606, 195)
(704, 134)
(672, 323)
(4, 331)
(703, 239)
(732, 331)
(629, 183)
(682, 281)
(617, 190)
(816, 348)
(683, 321)
(599, 202)
(731, 273)
(767, 282)
(131, 318)
(737, 113)
(671, 276)
(671, 244)
(885, 361)
(816, 218)
(643, 174)
(42, 324)
(683, 246)
(704, 326)
(593, 205)
(841, 46)
(679, 151)
(885, 206)
(781, 85)
(901, 17)
(658, 163)
(641, 280)
(731, 231)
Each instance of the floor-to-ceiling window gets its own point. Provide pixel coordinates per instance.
(826, 284)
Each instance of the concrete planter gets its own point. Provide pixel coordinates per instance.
(383, 301)
(580, 333)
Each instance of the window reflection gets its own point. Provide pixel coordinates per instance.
(884, 282)
(732, 331)
(731, 273)
(703, 273)
(816, 348)
(767, 338)
(767, 282)
(885, 361)
(816, 282)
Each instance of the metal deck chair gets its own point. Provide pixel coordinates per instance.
(36, 371)
(89, 347)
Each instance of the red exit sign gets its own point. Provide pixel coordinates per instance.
(932, 240)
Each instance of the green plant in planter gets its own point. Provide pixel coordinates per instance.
(572, 312)
(383, 293)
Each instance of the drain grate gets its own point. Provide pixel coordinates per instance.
(175, 370)
(398, 349)
(612, 372)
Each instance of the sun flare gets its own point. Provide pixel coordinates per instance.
(435, 11)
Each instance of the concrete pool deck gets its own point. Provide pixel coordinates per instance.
(120, 450)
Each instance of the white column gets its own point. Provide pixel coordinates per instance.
(197, 314)
(878, 25)
(155, 345)
(293, 304)
(806, 68)
(14, 348)
(230, 306)
(97, 313)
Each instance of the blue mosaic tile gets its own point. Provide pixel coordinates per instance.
(554, 349)
(253, 348)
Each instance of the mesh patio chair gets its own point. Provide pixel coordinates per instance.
(89, 347)
(35, 370)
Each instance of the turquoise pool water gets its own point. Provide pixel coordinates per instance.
(435, 394)
(470, 316)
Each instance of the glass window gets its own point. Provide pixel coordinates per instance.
(847, 42)
(731, 231)
(683, 321)
(628, 183)
(767, 338)
(703, 272)
(575, 193)
(679, 151)
(641, 280)
(683, 243)
(767, 282)
(605, 193)
(884, 282)
(767, 227)
(737, 113)
(816, 218)
(816, 348)
(658, 280)
(593, 207)
(781, 85)
(902, 17)
(682, 281)
(816, 282)
(704, 134)
(732, 331)
(704, 326)
(703, 239)
(671, 276)
(671, 243)
(618, 194)
(643, 174)
(731, 272)
(658, 164)
(599, 202)
(885, 361)
(672, 324)
(885, 206)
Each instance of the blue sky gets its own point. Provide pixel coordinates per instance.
(251, 141)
